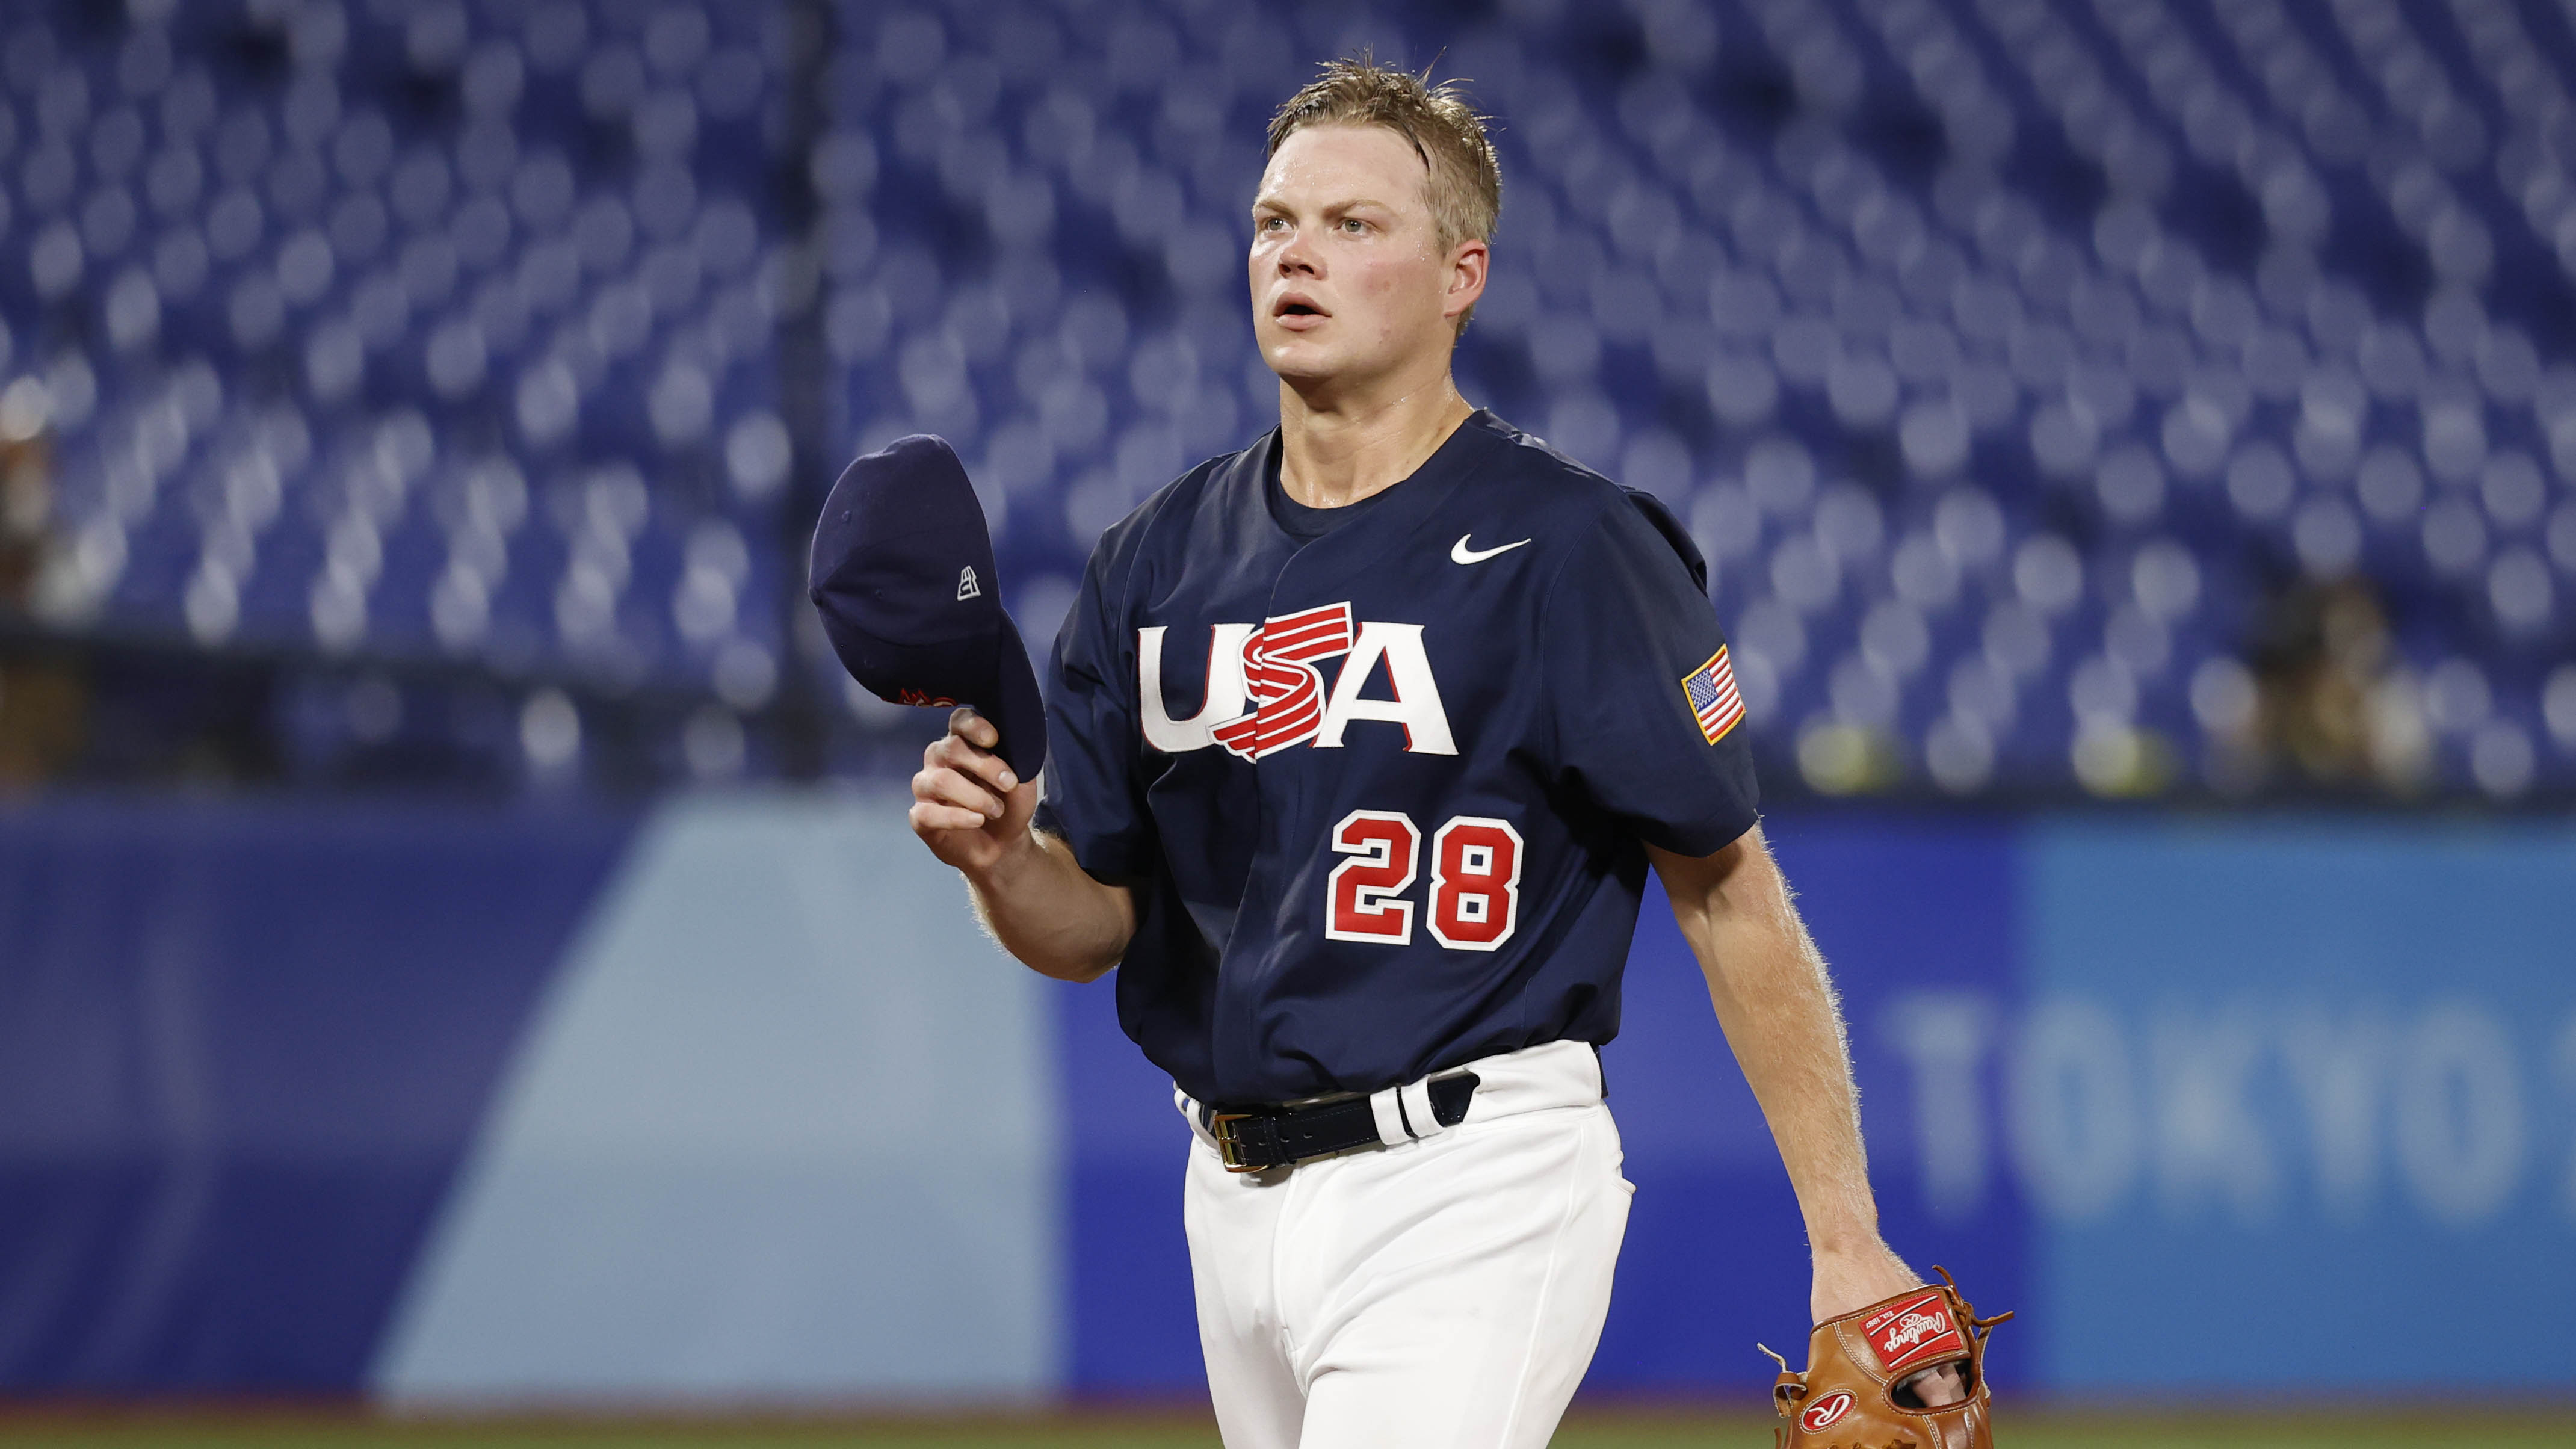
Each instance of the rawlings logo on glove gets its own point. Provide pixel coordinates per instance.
(1864, 1370)
(1912, 1332)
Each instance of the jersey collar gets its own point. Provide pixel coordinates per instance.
(1393, 529)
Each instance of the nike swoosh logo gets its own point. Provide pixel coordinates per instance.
(1459, 552)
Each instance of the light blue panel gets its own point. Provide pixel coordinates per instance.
(2316, 1080)
(781, 1131)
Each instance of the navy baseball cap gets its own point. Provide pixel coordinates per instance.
(902, 574)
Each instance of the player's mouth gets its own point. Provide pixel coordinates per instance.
(1297, 312)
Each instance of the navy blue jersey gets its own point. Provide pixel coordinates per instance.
(1382, 790)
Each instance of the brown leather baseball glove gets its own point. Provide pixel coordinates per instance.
(1865, 1386)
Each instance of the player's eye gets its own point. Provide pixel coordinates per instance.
(1354, 225)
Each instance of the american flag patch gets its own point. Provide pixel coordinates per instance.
(1711, 692)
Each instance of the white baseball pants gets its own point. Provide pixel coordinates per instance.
(1444, 1293)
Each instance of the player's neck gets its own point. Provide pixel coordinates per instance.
(1336, 451)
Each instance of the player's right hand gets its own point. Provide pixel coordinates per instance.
(967, 806)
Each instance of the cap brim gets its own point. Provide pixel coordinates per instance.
(1014, 706)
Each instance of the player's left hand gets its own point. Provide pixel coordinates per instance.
(1855, 1279)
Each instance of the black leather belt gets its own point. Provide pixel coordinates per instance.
(1257, 1139)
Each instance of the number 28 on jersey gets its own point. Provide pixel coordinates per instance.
(1475, 896)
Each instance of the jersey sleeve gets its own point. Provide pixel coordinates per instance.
(1093, 798)
(1647, 722)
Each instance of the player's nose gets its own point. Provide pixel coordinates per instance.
(1297, 257)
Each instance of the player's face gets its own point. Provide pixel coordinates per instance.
(1348, 282)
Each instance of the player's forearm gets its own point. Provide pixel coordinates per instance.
(1045, 910)
(1784, 1022)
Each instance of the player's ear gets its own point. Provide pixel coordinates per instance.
(1468, 264)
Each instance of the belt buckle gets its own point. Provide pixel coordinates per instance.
(1229, 1147)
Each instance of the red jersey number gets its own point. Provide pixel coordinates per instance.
(1475, 883)
(1475, 880)
(1365, 889)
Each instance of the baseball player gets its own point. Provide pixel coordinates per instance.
(1361, 743)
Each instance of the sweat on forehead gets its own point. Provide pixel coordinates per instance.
(1345, 165)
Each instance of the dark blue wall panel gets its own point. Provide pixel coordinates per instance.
(1133, 1328)
(2331, 1086)
(241, 1050)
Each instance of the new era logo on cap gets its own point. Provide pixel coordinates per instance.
(967, 588)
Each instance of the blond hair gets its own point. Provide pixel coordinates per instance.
(1465, 185)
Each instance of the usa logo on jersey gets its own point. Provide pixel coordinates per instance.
(1264, 692)
(1713, 700)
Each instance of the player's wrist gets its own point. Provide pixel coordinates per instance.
(1014, 855)
(1856, 1243)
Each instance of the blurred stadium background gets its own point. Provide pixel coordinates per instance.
(459, 947)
